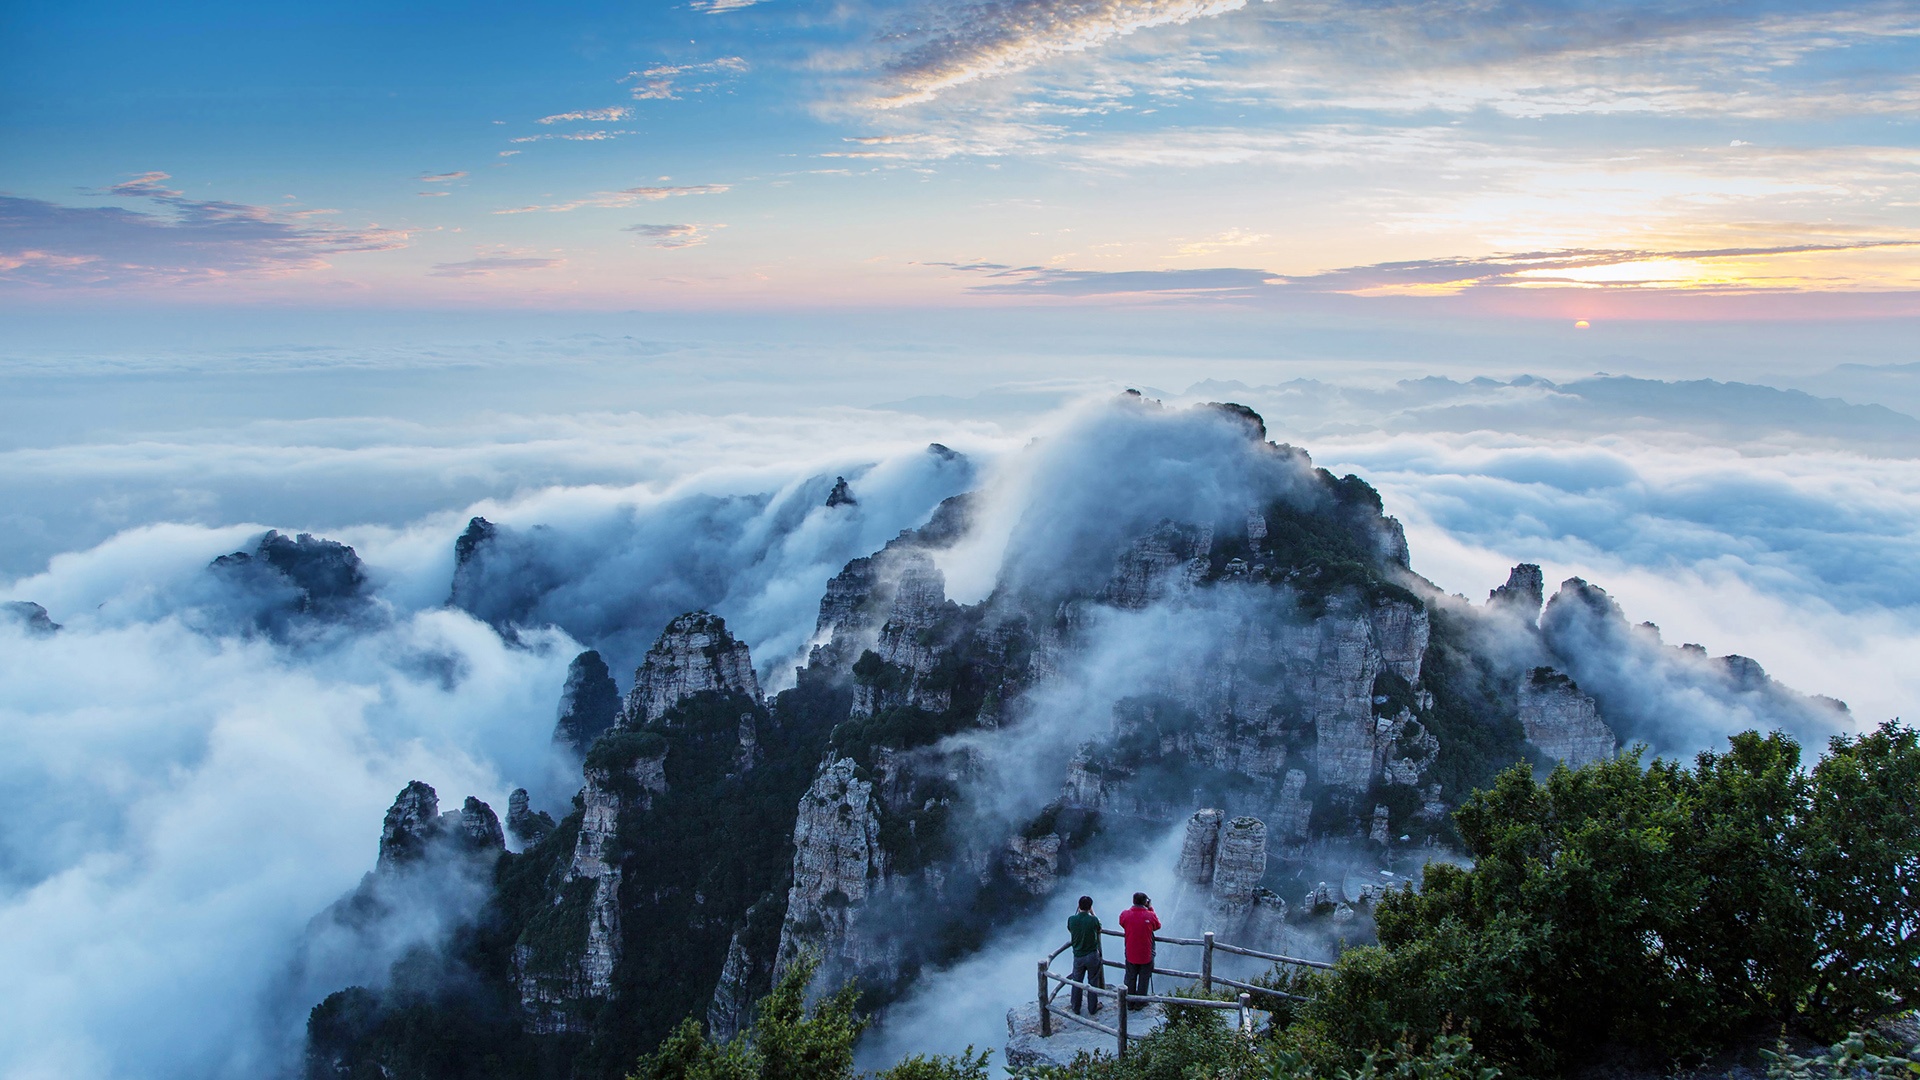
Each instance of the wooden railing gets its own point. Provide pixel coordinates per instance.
(1051, 984)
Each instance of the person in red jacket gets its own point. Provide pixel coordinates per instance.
(1138, 923)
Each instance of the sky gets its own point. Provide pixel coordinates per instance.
(1536, 158)
(1627, 290)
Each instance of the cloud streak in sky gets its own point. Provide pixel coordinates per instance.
(1584, 268)
(186, 241)
(675, 236)
(959, 45)
(624, 197)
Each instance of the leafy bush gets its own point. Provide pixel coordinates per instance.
(1665, 908)
(788, 1041)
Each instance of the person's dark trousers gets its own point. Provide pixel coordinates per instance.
(1139, 979)
(1088, 969)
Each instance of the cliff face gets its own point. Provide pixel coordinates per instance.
(589, 705)
(694, 654)
(1297, 689)
(837, 863)
(1560, 721)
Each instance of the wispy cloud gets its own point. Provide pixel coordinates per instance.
(441, 178)
(607, 115)
(675, 236)
(1213, 283)
(1709, 269)
(666, 82)
(624, 197)
(721, 7)
(492, 265)
(963, 44)
(572, 136)
(183, 241)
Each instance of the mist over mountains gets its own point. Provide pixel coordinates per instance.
(210, 746)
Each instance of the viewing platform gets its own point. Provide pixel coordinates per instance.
(1046, 1032)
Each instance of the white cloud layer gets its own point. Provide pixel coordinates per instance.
(189, 794)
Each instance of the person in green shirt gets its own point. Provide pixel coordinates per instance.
(1083, 929)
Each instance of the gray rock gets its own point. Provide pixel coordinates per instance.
(1523, 593)
(526, 826)
(838, 864)
(1560, 721)
(1237, 870)
(840, 495)
(480, 827)
(29, 616)
(589, 703)
(695, 653)
(1033, 862)
(1200, 847)
(412, 824)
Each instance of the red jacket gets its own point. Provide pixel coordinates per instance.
(1139, 923)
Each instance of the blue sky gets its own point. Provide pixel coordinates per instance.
(1554, 159)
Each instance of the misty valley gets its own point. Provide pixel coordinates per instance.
(1157, 652)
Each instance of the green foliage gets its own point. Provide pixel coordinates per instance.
(1199, 1045)
(788, 1041)
(1668, 908)
(618, 749)
(1475, 715)
(1860, 846)
(1852, 1058)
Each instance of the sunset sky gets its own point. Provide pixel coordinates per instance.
(1573, 159)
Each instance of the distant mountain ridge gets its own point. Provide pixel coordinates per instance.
(1268, 657)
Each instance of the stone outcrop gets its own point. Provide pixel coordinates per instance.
(837, 864)
(1295, 814)
(1237, 870)
(841, 495)
(28, 616)
(301, 577)
(527, 827)
(1199, 848)
(732, 996)
(415, 831)
(1033, 863)
(917, 600)
(589, 703)
(695, 653)
(480, 827)
(1523, 593)
(1560, 721)
(412, 824)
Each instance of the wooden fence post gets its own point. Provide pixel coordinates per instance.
(1206, 963)
(1046, 1020)
(1246, 1013)
(1120, 1021)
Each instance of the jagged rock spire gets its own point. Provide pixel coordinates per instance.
(694, 653)
(590, 703)
(409, 826)
(1524, 591)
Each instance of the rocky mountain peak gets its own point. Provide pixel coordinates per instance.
(410, 826)
(414, 827)
(840, 495)
(1524, 592)
(589, 704)
(307, 574)
(694, 653)
(29, 616)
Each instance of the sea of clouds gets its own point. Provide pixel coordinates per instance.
(186, 793)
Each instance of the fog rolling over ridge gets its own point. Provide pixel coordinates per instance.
(202, 761)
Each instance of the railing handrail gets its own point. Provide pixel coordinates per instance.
(1201, 942)
(1206, 942)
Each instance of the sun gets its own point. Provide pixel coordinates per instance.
(1581, 324)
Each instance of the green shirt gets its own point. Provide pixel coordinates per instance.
(1084, 928)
